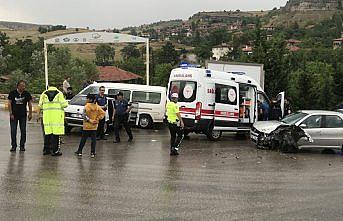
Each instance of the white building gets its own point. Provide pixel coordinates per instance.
(220, 51)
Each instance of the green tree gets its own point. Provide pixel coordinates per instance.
(312, 87)
(134, 65)
(133, 32)
(218, 37)
(3, 39)
(167, 54)
(161, 76)
(104, 54)
(203, 52)
(130, 51)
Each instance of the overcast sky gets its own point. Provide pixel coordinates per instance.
(118, 14)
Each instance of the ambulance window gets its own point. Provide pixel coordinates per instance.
(226, 94)
(185, 89)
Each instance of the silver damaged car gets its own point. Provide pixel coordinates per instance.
(302, 129)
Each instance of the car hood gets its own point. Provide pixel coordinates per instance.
(267, 126)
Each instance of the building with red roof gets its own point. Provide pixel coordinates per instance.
(115, 75)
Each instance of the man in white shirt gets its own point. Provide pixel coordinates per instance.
(66, 84)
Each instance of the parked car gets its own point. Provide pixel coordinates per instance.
(303, 129)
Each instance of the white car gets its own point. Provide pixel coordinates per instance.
(149, 103)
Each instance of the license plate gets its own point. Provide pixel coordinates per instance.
(76, 115)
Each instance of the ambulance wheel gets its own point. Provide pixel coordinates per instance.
(214, 135)
(145, 121)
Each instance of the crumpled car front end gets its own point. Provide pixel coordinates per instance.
(278, 136)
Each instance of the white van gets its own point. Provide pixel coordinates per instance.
(150, 102)
(212, 101)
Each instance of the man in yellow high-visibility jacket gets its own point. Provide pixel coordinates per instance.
(175, 124)
(52, 103)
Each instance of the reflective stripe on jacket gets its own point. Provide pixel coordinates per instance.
(52, 103)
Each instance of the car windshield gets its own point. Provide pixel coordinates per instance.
(91, 90)
(78, 100)
(293, 118)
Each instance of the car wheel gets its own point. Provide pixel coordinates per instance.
(287, 147)
(214, 135)
(145, 121)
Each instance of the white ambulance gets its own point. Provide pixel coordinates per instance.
(212, 102)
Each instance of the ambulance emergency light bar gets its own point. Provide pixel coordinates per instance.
(187, 65)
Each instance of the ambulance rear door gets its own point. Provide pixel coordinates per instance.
(226, 113)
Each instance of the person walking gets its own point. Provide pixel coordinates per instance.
(175, 124)
(121, 113)
(92, 114)
(18, 100)
(101, 100)
(52, 103)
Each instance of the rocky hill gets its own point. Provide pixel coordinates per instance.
(313, 5)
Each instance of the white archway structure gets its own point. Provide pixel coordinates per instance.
(95, 38)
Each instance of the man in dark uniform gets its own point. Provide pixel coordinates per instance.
(101, 100)
(121, 112)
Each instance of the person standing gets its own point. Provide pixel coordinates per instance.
(69, 95)
(66, 84)
(121, 113)
(175, 124)
(265, 110)
(52, 103)
(92, 114)
(18, 100)
(101, 100)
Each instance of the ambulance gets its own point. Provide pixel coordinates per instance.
(213, 102)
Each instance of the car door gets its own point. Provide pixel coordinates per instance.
(332, 133)
(226, 111)
(313, 125)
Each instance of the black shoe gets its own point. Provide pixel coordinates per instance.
(130, 140)
(78, 153)
(56, 154)
(22, 149)
(98, 138)
(116, 141)
(46, 153)
(13, 149)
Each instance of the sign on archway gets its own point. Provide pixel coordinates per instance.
(95, 38)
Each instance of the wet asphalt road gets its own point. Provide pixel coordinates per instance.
(228, 180)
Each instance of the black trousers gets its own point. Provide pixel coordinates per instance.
(85, 135)
(122, 120)
(100, 132)
(51, 143)
(176, 136)
(14, 126)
